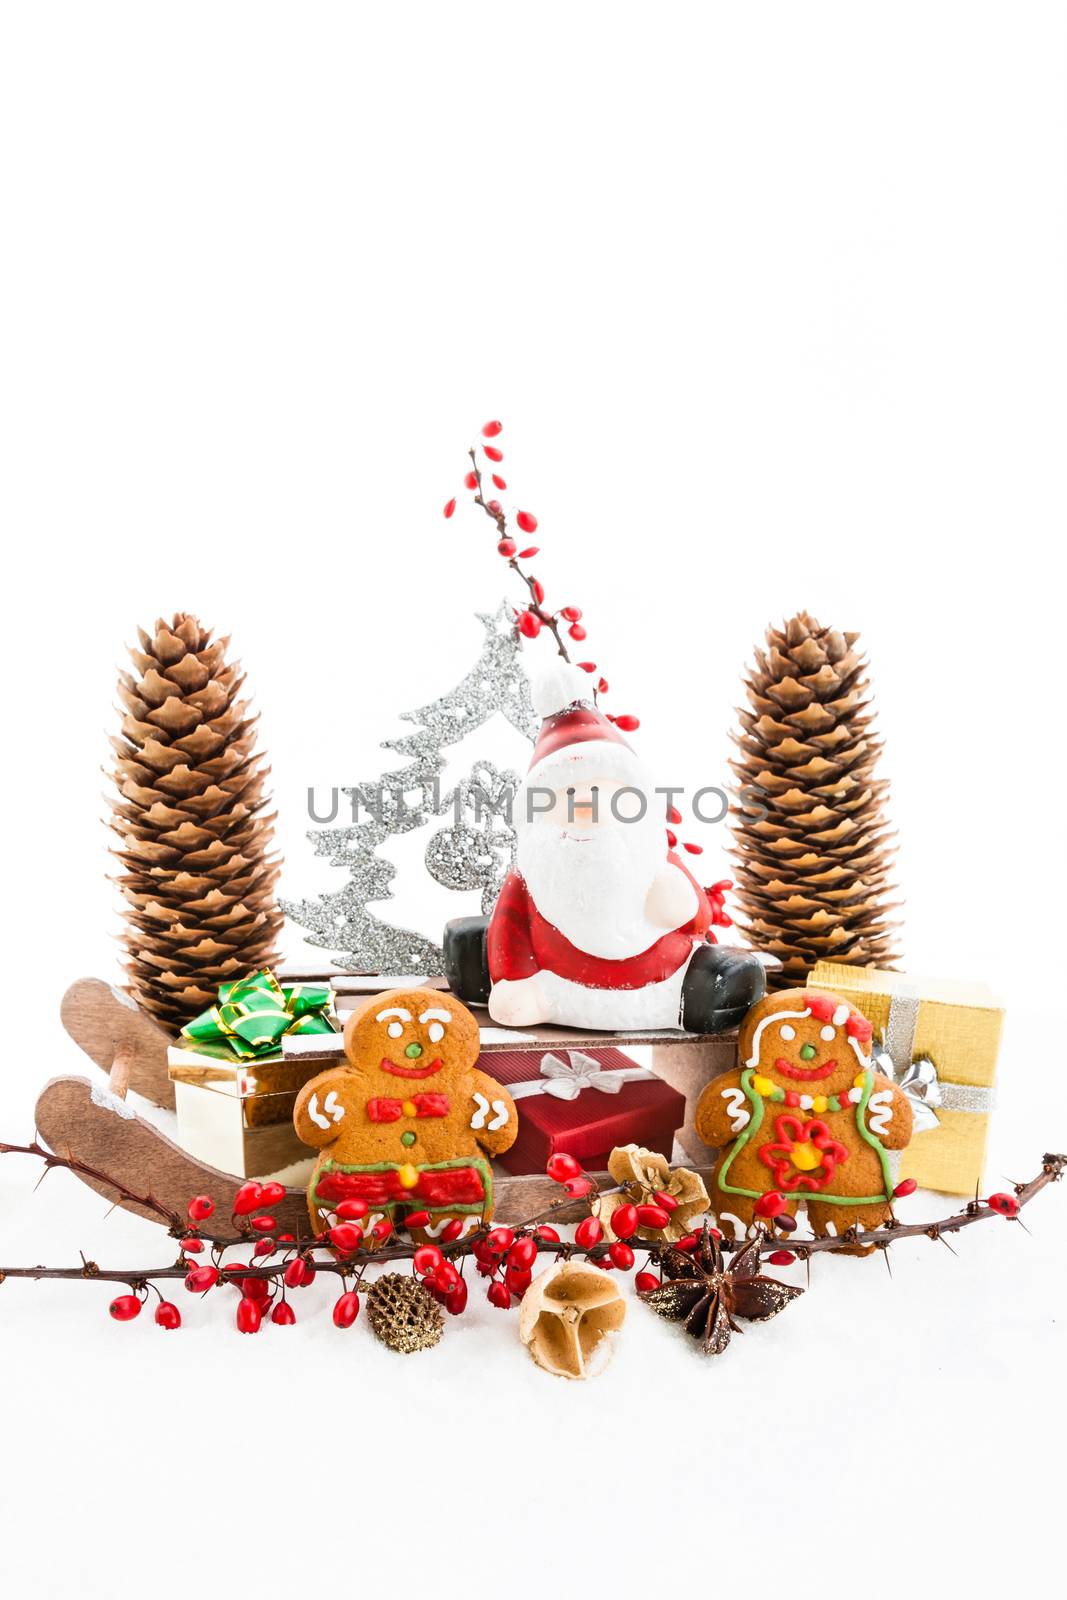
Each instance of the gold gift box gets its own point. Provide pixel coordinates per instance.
(238, 1115)
(957, 1026)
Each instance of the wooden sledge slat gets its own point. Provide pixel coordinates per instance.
(343, 982)
(82, 1119)
(108, 1024)
(330, 1047)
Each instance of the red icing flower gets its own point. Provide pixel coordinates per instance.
(804, 1156)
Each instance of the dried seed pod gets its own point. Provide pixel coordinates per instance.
(403, 1313)
(568, 1316)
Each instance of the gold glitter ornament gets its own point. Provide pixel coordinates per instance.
(403, 1313)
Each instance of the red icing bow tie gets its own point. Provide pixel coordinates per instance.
(383, 1108)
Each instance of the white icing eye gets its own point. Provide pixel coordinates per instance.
(436, 1032)
(826, 1033)
(788, 1032)
(395, 1029)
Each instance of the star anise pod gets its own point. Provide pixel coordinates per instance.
(701, 1290)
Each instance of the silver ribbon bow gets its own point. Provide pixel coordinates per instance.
(919, 1081)
(565, 1079)
(917, 1076)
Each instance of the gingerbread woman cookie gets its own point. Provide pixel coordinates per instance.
(806, 1116)
(407, 1122)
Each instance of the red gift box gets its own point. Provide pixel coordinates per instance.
(571, 1109)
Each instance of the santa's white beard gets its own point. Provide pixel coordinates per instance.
(592, 885)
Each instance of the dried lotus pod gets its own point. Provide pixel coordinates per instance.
(567, 1316)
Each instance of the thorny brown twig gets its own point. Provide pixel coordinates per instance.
(345, 1265)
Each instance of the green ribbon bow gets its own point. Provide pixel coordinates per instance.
(254, 1013)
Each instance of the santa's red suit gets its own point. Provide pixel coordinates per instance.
(598, 920)
(521, 942)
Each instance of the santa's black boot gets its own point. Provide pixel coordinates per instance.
(466, 961)
(720, 986)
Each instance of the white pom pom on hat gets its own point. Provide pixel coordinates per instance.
(559, 686)
(574, 729)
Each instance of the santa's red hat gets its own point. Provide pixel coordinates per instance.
(575, 736)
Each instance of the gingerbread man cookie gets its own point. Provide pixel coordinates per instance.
(806, 1117)
(407, 1122)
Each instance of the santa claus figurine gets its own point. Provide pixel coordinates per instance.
(598, 924)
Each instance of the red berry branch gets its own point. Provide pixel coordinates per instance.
(281, 1264)
(535, 616)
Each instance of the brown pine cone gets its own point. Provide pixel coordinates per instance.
(812, 875)
(194, 842)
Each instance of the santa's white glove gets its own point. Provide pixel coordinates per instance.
(672, 900)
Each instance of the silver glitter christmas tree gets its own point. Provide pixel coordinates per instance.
(473, 852)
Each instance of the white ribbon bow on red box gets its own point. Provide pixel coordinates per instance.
(565, 1079)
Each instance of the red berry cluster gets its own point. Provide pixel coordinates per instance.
(451, 1231)
(564, 1170)
(626, 1219)
(347, 1235)
(716, 893)
(507, 1260)
(440, 1275)
(534, 615)
(259, 1296)
(346, 1238)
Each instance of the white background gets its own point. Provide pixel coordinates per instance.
(770, 300)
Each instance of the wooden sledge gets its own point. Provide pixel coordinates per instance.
(93, 1123)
